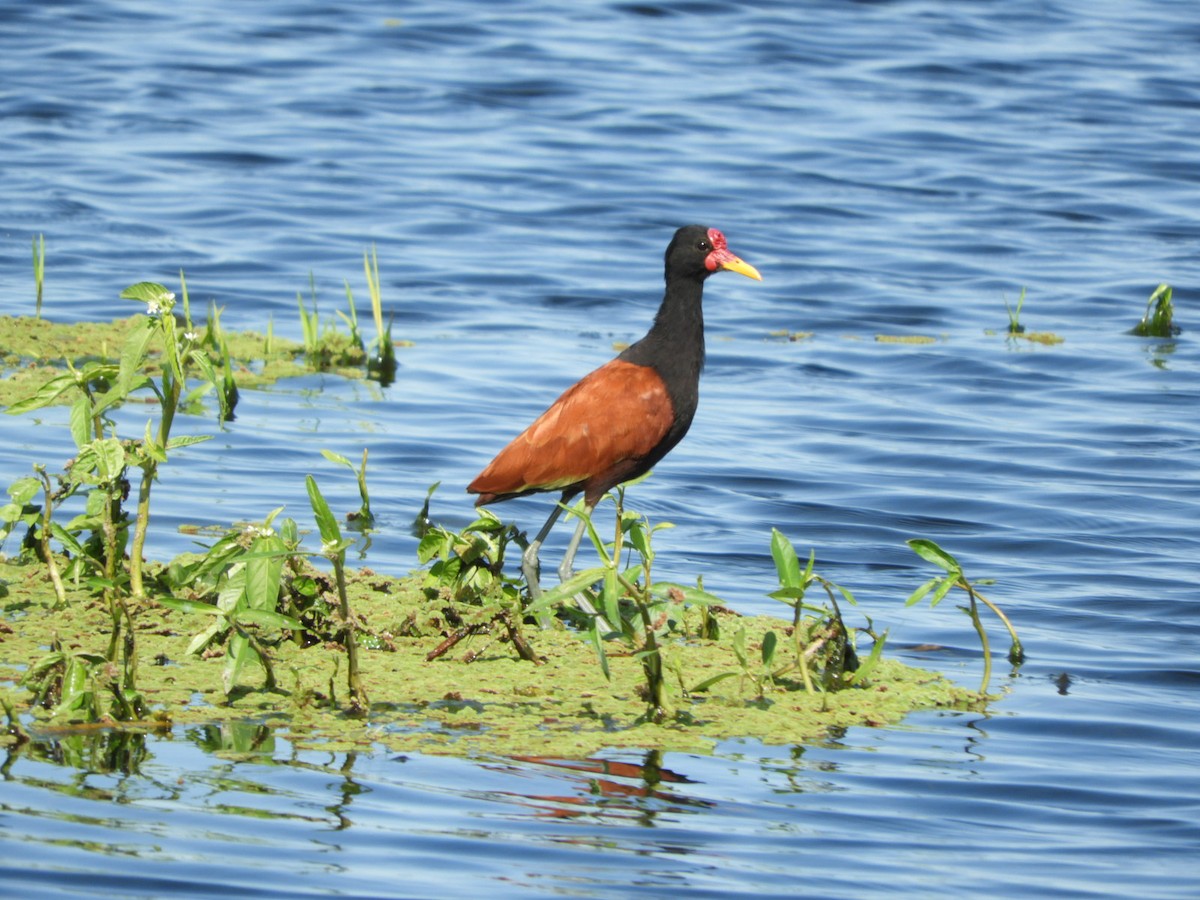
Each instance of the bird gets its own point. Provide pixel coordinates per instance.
(619, 421)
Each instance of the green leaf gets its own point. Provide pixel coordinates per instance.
(942, 590)
(640, 539)
(769, 643)
(69, 541)
(337, 458)
(75, 687)
(133, 356)
(433, 544)
(863, 672)
(147, 292)
(709, 682)
(787, 564)
(207, 371)
(10, 513)
(931, 552)
(915, 596)
(593, 535)
(233, 589)
(111, 456)
(846, 594)
(44, 395)
(187, 441)
(567, 589)
(263, 573)
(151, 448)
(788, 595)
(24, 489)
(81, 420)
(326, 522)
(267, 618)
(597, 642)
(204, 638)
(239, 652)
(610, 598)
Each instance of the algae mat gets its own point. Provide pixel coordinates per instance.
(495, 703)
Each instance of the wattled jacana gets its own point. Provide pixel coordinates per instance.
(619, 421)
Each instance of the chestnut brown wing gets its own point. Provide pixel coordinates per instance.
(618, 413)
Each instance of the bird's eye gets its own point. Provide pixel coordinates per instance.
(704, 246)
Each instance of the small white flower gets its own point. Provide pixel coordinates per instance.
(153, 308)
(189, 336)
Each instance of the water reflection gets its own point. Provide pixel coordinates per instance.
(604, 789)
(89, 751)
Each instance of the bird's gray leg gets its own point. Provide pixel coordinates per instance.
(566, 569)
(530, 566)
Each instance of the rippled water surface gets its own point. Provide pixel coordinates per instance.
(893, 168)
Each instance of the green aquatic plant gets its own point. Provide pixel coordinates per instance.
(242, 573)
(362, 519)
(381, 363)
(333, 547)
(941, 585)
(39, 270)
(351, 320)
(1014, 316)
(310, 322)
(21, 510)
(151, 451)
(822, 647)
(325, 346)
(821, 641)
(82, 687)
(112, 556)
(629, 606)
(1159, 318)
(466, 582)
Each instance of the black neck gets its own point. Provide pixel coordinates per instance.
(674, 346)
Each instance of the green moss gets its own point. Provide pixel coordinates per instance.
(479, 698)
(32, 351)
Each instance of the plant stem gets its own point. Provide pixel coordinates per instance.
(172, 386)
(983, 640)
(1016, 653)
(47, 554)
(358, 697)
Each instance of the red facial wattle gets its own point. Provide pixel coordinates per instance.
(720, 258)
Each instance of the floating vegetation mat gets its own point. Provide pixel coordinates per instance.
(479, 698)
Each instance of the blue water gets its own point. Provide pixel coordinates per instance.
(893, 168)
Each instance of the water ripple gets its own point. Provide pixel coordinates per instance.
(896, 169)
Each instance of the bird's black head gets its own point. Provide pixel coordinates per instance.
(697, 251)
